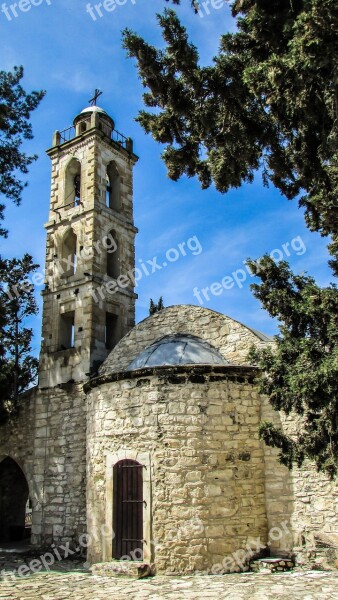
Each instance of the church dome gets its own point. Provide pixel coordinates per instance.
(96, 109)
(86, 113)
(177, 349)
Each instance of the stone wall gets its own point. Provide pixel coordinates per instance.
(230, 337)
(198, 425)
(211, 485)
(315, 518)
(47, 440)
(306, 498)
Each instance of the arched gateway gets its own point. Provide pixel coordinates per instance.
(14, 499)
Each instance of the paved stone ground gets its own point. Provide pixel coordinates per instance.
(69, 581)
(70, 586)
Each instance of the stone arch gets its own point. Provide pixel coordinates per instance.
(72, 188)
(83, 127)
(113, 187)
(14, 494)
(68, 262)
(113, 255)
(142, 458)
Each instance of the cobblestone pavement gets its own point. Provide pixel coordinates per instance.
(74, 585)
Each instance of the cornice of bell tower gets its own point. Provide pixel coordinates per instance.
(92, 120)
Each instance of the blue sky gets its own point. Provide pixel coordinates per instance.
(68, 53)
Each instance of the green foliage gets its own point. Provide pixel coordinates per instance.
(300, 374)
(15, 109)
(18, 368)
(194, 3)
(155, 307)
(269, 101)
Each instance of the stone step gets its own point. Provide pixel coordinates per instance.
(124, 568)
(272, 564)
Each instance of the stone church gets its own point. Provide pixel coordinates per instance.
(142, 439)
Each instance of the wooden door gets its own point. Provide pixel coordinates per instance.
(128, 509)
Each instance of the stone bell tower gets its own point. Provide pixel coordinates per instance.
(89, 299)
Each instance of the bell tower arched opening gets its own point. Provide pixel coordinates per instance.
(113, 257)
(113, 185)
(73, 183)
(69, 254)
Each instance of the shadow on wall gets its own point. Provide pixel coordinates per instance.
(279, 492)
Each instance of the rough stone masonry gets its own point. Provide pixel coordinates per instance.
(161, 462)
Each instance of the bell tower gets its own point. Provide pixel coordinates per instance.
(89, 299)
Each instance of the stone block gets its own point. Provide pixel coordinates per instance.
(136, 570)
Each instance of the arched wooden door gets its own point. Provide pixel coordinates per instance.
(128, 510)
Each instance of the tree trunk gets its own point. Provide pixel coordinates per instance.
(16, 360)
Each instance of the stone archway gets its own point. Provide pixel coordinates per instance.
(14, 494)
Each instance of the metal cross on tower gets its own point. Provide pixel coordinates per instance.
(96, 95)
